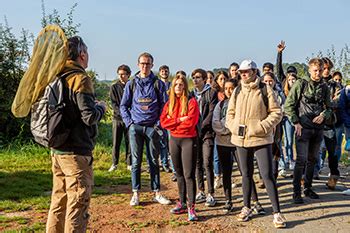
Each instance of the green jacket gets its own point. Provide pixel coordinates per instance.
(302, 106)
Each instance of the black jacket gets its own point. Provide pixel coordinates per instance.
(116, 94)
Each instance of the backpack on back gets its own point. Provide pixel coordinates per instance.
(52, 116)
(263, 89)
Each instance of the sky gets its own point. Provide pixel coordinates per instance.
(186, 35)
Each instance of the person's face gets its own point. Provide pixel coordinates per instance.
(179, 87)
(266, 69)
(164, 73)
(291, 80)
(337, 79)
(315, 72)
(210, 78)
(246, 74)
(198, 81)
(229, 89)
(221, 80)
(268, 80)
(326, 70)
(233, 71)
(145, 65)
(84, 56)
(123, 75)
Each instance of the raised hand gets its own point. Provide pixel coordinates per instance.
(281, 46)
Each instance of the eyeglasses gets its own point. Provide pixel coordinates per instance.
(145, 64)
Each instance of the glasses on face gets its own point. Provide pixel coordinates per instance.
(145, 63)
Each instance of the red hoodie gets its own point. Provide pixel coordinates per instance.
(178, 129)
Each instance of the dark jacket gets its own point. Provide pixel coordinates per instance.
(116, 94)
(344, 106)
(207, 100)
(146, 104)
(279, 70)
(87, 114)
(302, 106)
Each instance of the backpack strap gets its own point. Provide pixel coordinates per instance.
(265, 97)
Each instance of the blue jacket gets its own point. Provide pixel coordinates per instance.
(146, 104)
(343, 106)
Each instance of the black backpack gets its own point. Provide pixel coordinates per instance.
(52, 116)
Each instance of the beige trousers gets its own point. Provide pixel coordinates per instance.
(71, 192)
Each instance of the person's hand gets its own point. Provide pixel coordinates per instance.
(281, 46)
(182, 119)
(102, 104)
(298, 129)
(319, 119)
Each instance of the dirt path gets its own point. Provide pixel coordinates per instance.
(112, 213)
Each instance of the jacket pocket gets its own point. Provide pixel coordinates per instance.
(255, 129)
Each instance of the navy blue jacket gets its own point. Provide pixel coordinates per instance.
(343, 106)
(146, 104)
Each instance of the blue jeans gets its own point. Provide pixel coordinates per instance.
(164, 145)
(339, 136)
(139, 135)
(217, 165)
(288, 130)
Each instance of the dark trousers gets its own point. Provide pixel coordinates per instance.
(118, 131)
(331, 144)
(226, 154)
(308, 146)
(205, 158)
(183, 154)
(263, 156)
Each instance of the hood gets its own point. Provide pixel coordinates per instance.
(199, 93)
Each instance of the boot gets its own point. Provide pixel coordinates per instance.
(332, 181)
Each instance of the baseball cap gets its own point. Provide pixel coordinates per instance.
(247, 65)
(292, 69)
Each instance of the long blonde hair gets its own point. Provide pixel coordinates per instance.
(184, 97)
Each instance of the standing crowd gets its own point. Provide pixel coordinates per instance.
(227, 121)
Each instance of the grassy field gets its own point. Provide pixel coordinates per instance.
(26, 180)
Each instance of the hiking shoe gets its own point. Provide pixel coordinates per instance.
(200, 197)
(180, 208)
(228, 207)
(297, 199)
(309, 193)
(173, 177)
(245, 214)
(210, 201)
(258, 209)
(192, 215)
(346, 192)
(112, 168)
(135, 200)
(161, 200)
(218, 182)
(332, 182)
(279, 220)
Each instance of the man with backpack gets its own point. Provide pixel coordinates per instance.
(308, 105)
(72, 161)
(141, 106)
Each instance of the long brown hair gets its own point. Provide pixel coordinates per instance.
(286, 87)
(183, 99)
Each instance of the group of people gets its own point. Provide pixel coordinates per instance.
(241, 116)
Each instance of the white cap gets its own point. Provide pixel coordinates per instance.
(247, 65)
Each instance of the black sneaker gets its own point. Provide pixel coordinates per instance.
(309, 193)
(228, 207)
(297, 199)
(258, 209)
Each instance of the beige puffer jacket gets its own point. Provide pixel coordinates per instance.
(250, 110)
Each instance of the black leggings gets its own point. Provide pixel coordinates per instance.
(226, 154)
(183, 154)
(264, 158)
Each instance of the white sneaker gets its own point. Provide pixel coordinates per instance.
(279, 220)
(128, 167)
(135, 200)
(210, 201)
(282, 173)
(233, 185)
(161, 199)
(218, 182)
(112, 168)
(346, 192)
(292, 165)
